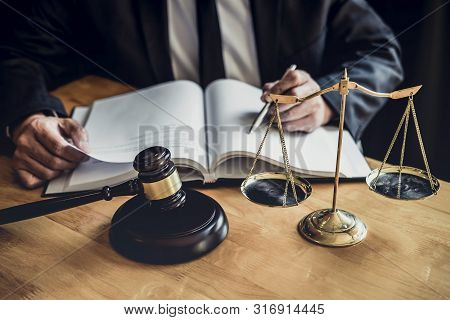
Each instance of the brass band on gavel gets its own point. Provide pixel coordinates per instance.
(163, 188)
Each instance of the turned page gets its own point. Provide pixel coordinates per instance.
(169, 115)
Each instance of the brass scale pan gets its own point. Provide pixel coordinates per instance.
(405, 183)
(267, 188)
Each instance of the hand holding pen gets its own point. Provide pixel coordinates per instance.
(265, 110)
(305, 116)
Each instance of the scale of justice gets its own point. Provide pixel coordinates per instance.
(164, 223)
(336, 227)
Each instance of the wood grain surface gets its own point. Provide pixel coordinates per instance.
(67, 255)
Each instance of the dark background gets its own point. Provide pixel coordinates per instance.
(426, 60)
(423, 31)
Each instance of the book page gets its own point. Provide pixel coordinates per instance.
(169, 115)
(231, 107)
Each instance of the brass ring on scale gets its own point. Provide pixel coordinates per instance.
(166, 224)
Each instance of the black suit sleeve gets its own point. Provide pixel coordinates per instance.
(32, 57)
(358, 39)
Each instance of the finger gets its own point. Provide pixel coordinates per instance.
(269, 85)
(302, 91)
(299, 111)
(306, 124)
(23, 162)
(282, 107)
(76, 132)
(55, 143)
(29, 180)
(38, 152)
(292, 78)
(266, 88)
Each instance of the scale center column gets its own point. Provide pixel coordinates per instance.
(334, 227)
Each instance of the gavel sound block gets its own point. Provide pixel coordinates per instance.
(166, 224)
(161, 224)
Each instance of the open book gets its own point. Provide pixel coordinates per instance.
(206, 132)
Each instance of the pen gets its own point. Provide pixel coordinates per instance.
(262, 114)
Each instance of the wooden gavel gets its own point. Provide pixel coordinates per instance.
(161, 224)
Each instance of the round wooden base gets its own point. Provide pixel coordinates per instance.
(145, 234)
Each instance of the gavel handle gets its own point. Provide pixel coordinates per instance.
(40, 208)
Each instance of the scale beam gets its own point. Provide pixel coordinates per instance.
(294, 99)
(398, 94)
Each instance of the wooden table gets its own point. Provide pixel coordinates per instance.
(67, 255)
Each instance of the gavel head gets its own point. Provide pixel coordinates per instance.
(159, 177)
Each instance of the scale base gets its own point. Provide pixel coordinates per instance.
(332, 229)
(144, 233)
